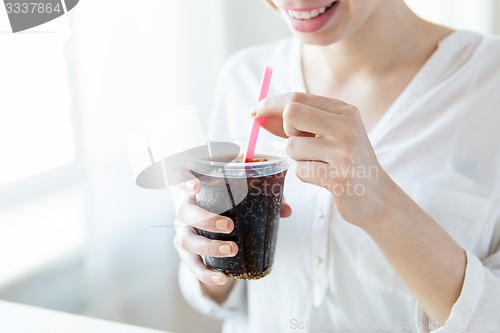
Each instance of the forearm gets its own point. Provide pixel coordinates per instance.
(425, 257)
(218, 293)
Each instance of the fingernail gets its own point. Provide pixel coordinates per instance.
(216, 278)
(222, 225)
(190, 184)
(225, 249)
(253, 112)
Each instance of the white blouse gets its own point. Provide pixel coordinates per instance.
(439, 141)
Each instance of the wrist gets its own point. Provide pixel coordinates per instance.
(391, 203)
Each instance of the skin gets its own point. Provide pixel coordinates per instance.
(326, 129)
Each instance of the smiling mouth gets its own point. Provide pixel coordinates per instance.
(310, 14)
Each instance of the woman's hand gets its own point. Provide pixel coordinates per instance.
(328, 140)
(191, 246)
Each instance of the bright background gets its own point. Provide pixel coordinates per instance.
(76, 234)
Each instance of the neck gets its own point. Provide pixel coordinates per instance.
(392, 36)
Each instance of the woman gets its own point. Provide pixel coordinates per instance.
(365, 85)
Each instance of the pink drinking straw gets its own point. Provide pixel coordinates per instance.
(252, 140)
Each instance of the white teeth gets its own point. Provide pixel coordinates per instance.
(294, 14)
(307, 15)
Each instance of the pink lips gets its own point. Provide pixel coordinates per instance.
(313, 24)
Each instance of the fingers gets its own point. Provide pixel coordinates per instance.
(300, 119)
(286, 210)
(189, 241)
(274, 125)
(190, 214)
(185, 181)
(195, 264)
(310, 149)
(193, 215)
(274, 105)
(300, 114)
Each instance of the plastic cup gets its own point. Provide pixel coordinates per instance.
(251, 195)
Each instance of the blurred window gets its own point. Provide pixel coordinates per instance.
(41, 197)
(35, 128)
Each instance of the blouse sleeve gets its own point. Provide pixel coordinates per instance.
(477, 309)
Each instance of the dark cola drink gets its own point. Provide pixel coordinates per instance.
(251, 195)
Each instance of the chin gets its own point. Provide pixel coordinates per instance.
(319, 39)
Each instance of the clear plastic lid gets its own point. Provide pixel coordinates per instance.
(231, 166)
